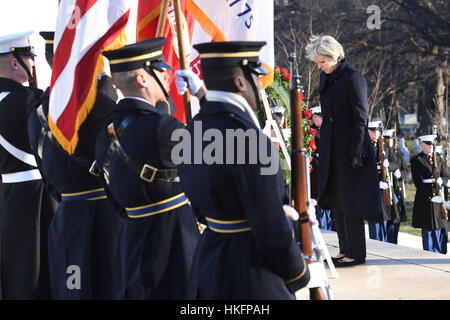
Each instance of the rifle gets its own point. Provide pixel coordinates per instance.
(436, 184)
(446, 168)
(384, 175)
(299, 182)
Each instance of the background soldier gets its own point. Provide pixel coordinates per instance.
(85, 230)
(378, 224)
(399, 173)
(248, 250)
(134, 153)
(25, 207)
(427, 207)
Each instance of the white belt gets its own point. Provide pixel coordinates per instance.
(428, 180)
(17, 153)
(21, 176)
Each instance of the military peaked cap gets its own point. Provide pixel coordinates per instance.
(143, 54)
(231, 54)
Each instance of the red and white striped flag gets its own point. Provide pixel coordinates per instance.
(84, 29)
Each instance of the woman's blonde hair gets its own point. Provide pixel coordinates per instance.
(324, 46)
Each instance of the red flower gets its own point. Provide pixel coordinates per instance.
(284, 71)
(313, 131)
(287, 77)
(312, 142)
(277, 68)
(310, 122)
(307, 114)
(310, 169)
(302, 97)
(314, 148)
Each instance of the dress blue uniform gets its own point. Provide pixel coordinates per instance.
(83, 235)
(134, 153)
(378, 225)
(248, 250)
(426, 214)
(25, 206)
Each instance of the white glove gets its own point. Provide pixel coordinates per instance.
(447, 205)
(384, 185)
(193, 81)
(440, 181)
(397, 174)
(291, 212)
(437, 199)
(386, 163)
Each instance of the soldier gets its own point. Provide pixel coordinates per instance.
(378, 224)
(25, 207)
(83, 235)
(134, 154)
(324, 217)
(399, 173)
(248, 250)
(427, 206)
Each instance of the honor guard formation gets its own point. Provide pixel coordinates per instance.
(150, 208)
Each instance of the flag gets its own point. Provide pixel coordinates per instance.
(234, 20)
(147, 23)
(84, 28)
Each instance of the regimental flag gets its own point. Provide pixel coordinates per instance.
(234, 20)
(147, 23)
(84, 28)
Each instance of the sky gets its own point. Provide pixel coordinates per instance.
(37, 15)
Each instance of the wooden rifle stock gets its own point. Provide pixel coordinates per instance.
(436, 184)
(446, 168)
(383, 169)
(299, 184)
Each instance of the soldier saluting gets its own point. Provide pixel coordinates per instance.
(248, 250)
(134, 154)
(427, 206)
(25, 207)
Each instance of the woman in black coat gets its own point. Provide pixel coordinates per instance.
(348, 182)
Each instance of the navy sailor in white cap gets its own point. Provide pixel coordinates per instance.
(25, 206)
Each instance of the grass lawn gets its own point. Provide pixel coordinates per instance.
(406, 226)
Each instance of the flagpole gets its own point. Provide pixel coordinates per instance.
(162, 18)
(183, 62)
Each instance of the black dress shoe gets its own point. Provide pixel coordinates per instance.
(343, 263)
(335, 259)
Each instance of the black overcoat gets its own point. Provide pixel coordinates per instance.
(426, 214)
(155, 251)
(263, 263)
(343, 135)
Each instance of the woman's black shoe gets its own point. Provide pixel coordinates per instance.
(335, 259)
(343, 263)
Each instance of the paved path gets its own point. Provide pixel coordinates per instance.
(391, 272)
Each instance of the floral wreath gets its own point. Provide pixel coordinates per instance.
(279, 97)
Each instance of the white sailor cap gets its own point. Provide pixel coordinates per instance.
(316, 110)
(429, 138)
(16, 43)
(388, 133)
(374, 124)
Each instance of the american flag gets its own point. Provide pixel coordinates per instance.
(84, 29)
